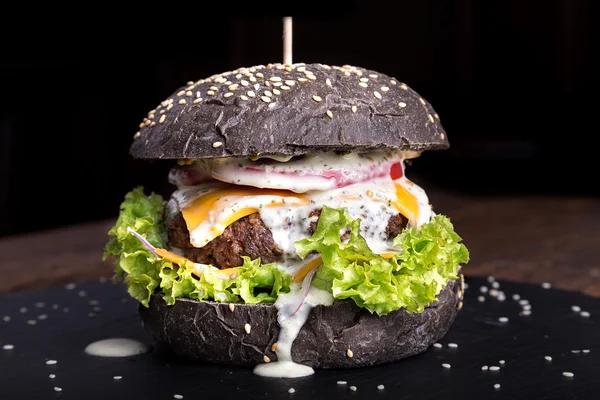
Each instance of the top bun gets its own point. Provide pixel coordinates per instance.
(289, 110)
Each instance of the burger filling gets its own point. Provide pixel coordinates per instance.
(254, 230)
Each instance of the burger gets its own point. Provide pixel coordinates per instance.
(292, 239)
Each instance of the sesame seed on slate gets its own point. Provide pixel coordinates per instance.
(137, 135)
(452, 345)
(585, 314)
(363, 80)
(481, 299)
(495, 284)
(484, 368)
(31, 322)
(503, 319)
(277, 92)
(8, 347)
(548, 358)
(181, 93)
(437, 345)
(494, 368)
(178, 396)
(575, 351)
(393, 82)
(576, 309)
(23, 310)
(483, 289)
(52, 376)
(6, 318)
(117, 378)
(501, 362)
(516, 297)
(353, 388)
(568, 374)
(291, 390)
(585, 350)
(57, 389)
(380, 387)
(385, 88)
(302, 80)
(523, 302)
(546, 285)
(196, 101)
(268, 93)
(342, 382)
(284, 87)
(442, 136)
(373, 76)
(497, 386)
(51, 362)
(447, 366)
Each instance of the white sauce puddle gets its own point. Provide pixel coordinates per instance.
(116, 347)
(289, 329)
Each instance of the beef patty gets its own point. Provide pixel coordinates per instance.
(247, 236)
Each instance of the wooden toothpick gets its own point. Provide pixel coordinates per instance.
(287, 40)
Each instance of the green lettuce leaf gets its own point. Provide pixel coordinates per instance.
(143, 272)
(428, 258)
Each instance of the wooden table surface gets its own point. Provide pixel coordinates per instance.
(529, 239)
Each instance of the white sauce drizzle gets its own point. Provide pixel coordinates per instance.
(116, 347)
(285, 367)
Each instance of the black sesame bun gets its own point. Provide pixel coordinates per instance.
(339, 336)
(289, 110)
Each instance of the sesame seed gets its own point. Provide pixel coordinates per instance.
(228, 94)
(266, 359)
(290, 82)
(349, 353)
(353, 388)
(342, 382)
(493, 293)
(42, 317)
(275, 79)
(380, 387)
(210, 93)
(265, 99)
(437, 345)
(277, 84)
(494, 368)
(31, 322)
(403, 86)
(452, 345)
(177, 396)
(284, 87)
(189, 93)
(257, 86)
(8, 347)
(252, 79)
(328, 82)
(215, 145)
(393, 82)
(244, 82)
(57, 389)
(373, 76)
(154, 123)
(363, 80)
(227, 83)
(251, 93)
(546, 285)
(291, 390)
(483, 289)
(481, 299)
(497, 386)
(213, 88)
(503, 319)
(244, 97)
(501, 362)
(162, 119)
(317, 98)
(260, 75)
(182, 101)
(575, 351)
(169, 106)
(329, 114)
(377, 95)
(272, 105)
(447, 366)
(362, 84)
(568, 374)
(527, 307)
(274, 347)
(52, 376)
(137, 135)
(576, 308)
(484, 368)
(436, 116)
(268, 93)
(231, 305)
(432, 121)
(421, 100)
(385, 88)
(190, 83)
(354, 108)
(523, 302)
(402, 104)
(196, 101)
(585, 314)
(289, 69)
(301, 69)
(302, 80)
(516, 297)
(233, 87)
(117, 377)
(247, 328)
(51, 362)
(181, 93)
(311, 77)
(548, 358)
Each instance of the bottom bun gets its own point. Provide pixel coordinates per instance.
(243, 334)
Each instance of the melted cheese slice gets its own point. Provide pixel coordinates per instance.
(208, 215)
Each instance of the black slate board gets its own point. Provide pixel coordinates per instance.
(552, 329)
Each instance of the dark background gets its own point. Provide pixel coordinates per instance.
(515, 84)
